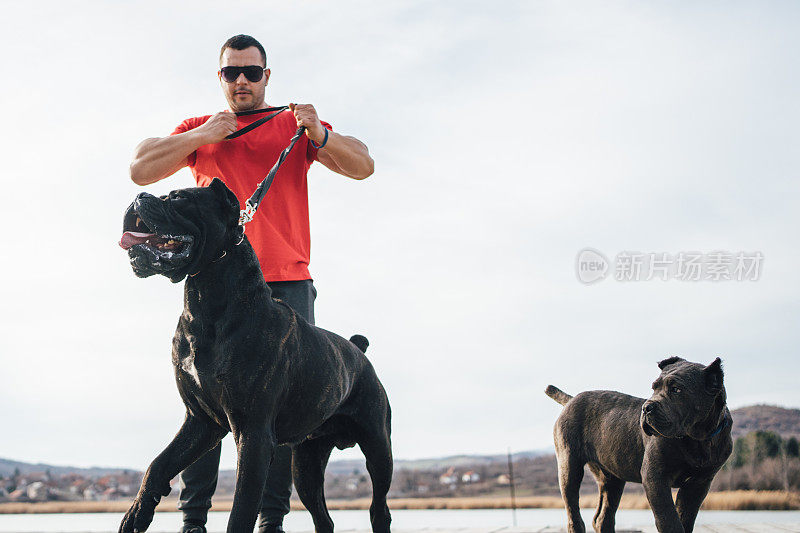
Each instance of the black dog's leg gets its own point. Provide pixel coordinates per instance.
(570, 475)
(690, 498)
(659, 495)
(308, 468)
(610, 494)
(377, 449)
(255, 455)
(195, 437)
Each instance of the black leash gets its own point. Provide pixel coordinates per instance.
(249, 211)
(257, 123)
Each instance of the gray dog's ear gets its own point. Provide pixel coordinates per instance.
(671, 361)
(713, 375)
(222, 190)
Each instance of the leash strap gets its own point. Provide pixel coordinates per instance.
(257, 123)
(249, 211)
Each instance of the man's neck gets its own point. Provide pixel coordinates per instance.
(262, 105)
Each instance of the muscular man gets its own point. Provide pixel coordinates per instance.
(279, 232)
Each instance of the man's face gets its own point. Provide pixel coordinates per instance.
(242, 94)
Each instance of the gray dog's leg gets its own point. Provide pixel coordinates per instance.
(610, 494)
(195, 437)
(659, 495)
(690, 498)
(570, 475)
(308, 464)
(255, 448)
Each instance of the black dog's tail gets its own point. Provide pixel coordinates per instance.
(557, 394)
(360, 341)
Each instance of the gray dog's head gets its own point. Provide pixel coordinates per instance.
(180, 233)
(688, 400)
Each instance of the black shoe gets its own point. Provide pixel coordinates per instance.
(271, 528)
(193, 528)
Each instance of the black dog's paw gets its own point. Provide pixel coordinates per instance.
(139, 516)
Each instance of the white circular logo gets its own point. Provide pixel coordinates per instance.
(591, 266)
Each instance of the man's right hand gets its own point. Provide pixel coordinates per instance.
(159, 157)
(219, 126)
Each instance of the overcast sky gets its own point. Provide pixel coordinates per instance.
(507, 137)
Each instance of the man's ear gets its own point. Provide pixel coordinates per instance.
(671, 361)
(225, 195)
(713, 375)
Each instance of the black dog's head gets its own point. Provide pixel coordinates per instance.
(688, 400)
(180, 233)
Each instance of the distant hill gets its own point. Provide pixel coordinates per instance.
(781, 420)
(347, 466)
(7, 467)
(785, 422)
(342, 466)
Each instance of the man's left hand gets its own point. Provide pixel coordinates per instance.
(306, 115)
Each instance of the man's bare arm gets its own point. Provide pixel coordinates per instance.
(346, 155)
(343, 154)
(159, 157)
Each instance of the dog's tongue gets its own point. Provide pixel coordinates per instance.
(130, 238)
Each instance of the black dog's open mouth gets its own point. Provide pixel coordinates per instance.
(160, 243)
(152, 252)
(136, 232)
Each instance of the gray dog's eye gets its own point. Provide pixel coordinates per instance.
(675, 390)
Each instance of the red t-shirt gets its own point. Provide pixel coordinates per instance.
(280, 231)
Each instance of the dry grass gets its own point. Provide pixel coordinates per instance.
(753, 500)
(742, 500)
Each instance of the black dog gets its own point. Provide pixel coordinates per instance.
(248, 364)
(679, 438)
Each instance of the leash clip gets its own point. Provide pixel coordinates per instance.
(247, 214)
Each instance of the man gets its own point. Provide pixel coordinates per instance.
(279, 232)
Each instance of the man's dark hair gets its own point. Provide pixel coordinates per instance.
(240, 42)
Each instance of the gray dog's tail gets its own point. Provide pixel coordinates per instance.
(557, 394)
(360, 341)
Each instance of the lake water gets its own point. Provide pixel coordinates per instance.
(298, 521)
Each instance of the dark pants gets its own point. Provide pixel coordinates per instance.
(199, 480)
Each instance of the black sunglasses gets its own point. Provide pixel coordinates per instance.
(253, 73)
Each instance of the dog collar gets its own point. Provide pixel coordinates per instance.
(224, 251)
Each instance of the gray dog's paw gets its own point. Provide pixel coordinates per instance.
(138, 517)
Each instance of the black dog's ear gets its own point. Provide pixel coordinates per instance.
(671, 361)
(222, 190)
(713, 375)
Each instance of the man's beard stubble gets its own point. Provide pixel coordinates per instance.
(254, 102)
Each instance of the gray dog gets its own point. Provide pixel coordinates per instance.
(679, 438)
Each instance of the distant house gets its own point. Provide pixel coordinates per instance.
(449, 478)
(109, 494)
(470, 477)
(37, 491)
(19, 495)
(503, 480)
